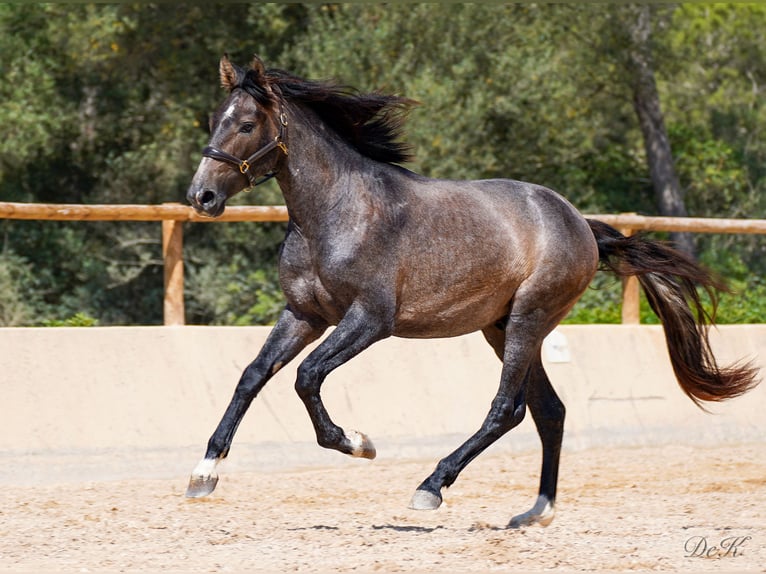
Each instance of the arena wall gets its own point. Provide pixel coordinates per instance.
(73, 390)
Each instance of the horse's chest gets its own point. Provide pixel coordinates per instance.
(311, 285)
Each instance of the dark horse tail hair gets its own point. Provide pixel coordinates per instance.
(670, 279)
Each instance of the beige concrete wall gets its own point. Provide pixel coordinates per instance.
(65, 389)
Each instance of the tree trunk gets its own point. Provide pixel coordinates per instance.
(646, 102)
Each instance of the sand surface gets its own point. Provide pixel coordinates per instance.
(619, 509)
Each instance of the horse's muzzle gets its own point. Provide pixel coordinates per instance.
(207, 201)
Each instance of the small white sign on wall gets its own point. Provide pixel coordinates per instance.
(556, 348)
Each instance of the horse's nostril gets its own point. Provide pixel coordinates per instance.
(206, 198)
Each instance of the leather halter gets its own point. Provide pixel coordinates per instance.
(244, 164)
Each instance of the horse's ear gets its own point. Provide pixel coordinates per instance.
(230, 74)
(257, 66)
(261, 79)
(259, 70)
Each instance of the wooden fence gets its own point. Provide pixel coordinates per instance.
(172, 216)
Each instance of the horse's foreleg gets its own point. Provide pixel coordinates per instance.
(521, 344)
(548, 413)
(288, 337)
(356, 331)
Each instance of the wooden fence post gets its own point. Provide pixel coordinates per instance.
(172, 255)
(631, 294)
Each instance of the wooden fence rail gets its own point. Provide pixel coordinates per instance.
(163, 212)
(172, 216)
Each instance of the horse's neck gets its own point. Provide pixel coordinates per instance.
(315, 181)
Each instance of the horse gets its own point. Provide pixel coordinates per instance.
(376, 250)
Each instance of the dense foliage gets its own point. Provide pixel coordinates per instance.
(109, 103)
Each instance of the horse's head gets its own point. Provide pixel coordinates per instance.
(246, 142)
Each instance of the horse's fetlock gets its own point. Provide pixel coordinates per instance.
(330, 439)
(217, 449)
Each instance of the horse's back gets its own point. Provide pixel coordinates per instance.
(520, 214)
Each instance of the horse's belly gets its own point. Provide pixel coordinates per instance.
(450, 316)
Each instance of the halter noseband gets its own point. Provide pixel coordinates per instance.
(244, 164)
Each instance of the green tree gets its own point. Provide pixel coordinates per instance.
(497, 100)
(717, 118)
(109, 103)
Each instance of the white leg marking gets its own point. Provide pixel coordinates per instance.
(205, 468)
(541, 513)
(203, 479)
(361, 445)
(357, 442)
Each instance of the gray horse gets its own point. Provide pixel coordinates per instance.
(377, 250)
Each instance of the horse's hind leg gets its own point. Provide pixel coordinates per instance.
(288, 337)
(548, 413)
(522, 340)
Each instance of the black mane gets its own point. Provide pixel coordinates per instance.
(372, 123)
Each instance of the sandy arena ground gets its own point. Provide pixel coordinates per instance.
(641, 508)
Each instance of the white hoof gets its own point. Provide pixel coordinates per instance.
(203, 479)
(361, 445)
(424, 500)
(541, 513)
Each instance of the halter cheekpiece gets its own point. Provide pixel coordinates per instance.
(244, 164)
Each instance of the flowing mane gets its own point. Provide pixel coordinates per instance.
(371, 122)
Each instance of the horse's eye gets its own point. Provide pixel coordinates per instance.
(246, 128)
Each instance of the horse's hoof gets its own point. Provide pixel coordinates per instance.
(361, 445)
(203, 479)
(541, 513)
(200, 486)
(425, 500)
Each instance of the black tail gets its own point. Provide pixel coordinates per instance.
(670, 280)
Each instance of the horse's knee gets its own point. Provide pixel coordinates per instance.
(505, 416)
(307, 381)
